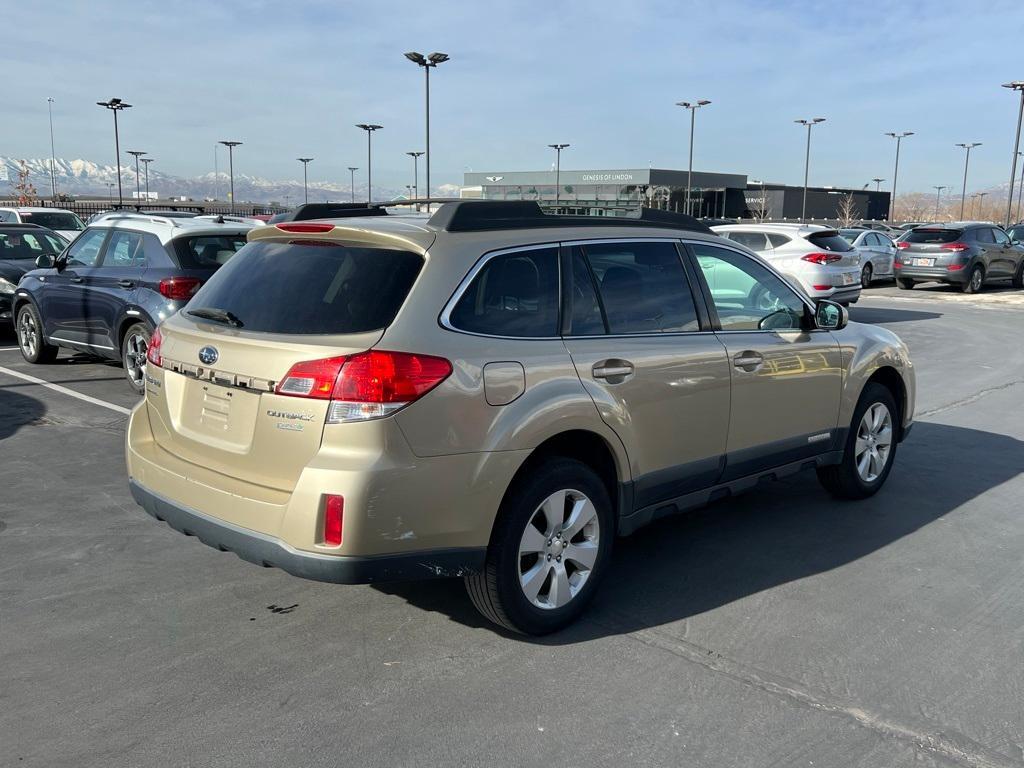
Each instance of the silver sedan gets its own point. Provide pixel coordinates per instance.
(877, 254)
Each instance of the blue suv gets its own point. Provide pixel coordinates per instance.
(116, 282)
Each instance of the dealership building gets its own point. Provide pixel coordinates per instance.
(617, 192)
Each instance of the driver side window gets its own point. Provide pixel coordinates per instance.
(746, 295)
(86, 249)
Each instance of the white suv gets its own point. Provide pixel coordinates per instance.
(818, 259)
(63, 222)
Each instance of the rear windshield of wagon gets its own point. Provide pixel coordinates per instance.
(310, 287)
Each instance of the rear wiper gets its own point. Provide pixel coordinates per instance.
(217, 315)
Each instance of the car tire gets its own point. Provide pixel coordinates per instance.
(903, 284)
(865, 466)
(28, 327)
(532, 582)
(866, 276)
(975, 280)
(134, 346)
(1018, 277)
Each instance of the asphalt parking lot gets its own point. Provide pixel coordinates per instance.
(778, 629)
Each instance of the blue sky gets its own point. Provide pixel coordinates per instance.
(292, 78)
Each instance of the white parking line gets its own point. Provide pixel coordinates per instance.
(65, 391)
(7, 349)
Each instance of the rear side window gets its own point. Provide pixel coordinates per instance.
(643, 287)
(777, 240)
(755, 241)
(121, 248)
(933, 236)
(207, 251)
(514, 294)
(311, 288)
(984, 235)
(829, 241)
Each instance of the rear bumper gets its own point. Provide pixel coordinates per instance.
(850, 293)
(934, 274)
(271, 552)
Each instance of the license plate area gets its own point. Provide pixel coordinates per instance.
(220, 417)
(848, 278)
(921, 262)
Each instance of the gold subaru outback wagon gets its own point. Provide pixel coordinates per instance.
(496, 394)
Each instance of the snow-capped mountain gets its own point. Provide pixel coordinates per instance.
(84, 177)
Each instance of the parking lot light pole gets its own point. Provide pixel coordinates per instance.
(1016, 85)
(981, 203)
(415, 172)
(305, 178)
(896, 171)
(807, 161)
(938, 192)
(967, 160)
(137, 153)
(369, 128)
(352, 171)
(231, 167)
(693, 106)
(145, 162)
(115, 106)
(53, 154)
(558, 169)
(1020, 190)
(427, 62)
(878, 184)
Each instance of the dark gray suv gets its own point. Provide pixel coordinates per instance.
(966, 254)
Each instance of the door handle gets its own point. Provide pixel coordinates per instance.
(126, 283)
(610, 369)
(76, 279)
(748, 361)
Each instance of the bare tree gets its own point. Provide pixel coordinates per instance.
(847, 212)
(24, 190)
(760, 213)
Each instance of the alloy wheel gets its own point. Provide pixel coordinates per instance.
(976, 278)
(135, 348)
(874, 442)
(28, 334)
(558, 549)
(865, 276)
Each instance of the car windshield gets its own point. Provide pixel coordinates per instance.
(850, 234)
(829, 240)
(54, 220)
(933, 235)
(28, 245)
(1016, 233)
(309, 288)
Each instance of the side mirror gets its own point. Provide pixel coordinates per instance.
(830, 316)
(44, 261)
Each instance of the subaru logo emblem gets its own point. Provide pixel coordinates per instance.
(208, 355)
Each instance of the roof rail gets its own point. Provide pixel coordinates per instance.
(483, 215)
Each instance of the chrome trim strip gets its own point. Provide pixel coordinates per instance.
(80, 343)
(220, 378)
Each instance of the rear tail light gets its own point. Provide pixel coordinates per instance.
(153, 356)
(369, 385)
(179, 288)
(822, 287)
(822, 258)
(955, 247)
(897, 263)
(305, 226)
(955, 267)
(901, 245)
(334, 516)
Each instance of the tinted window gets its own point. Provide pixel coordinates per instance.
(643, 287)
(1000, 236)
(747, 296)
(121, 249)
(1016, 233)
(587, 318)
(776, 240)
(53, 219)
(755, 241)
(86, 249)
(515, 294)
(933, 236)
(7, 216)
(28, 245)
(152, 253)
(829, 241)
(311, 289)
(208, 251)
(850, 234)
(984, 235)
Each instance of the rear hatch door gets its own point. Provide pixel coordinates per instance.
(924, 246)
(276, 304)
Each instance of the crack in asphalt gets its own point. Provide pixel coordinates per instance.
(969, 399)
(939, 740)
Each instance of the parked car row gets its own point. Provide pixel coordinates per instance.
(64, 223)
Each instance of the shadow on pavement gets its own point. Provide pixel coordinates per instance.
(17, 410)
(775, 534)
(878, 315)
